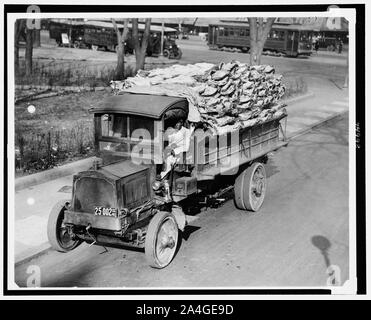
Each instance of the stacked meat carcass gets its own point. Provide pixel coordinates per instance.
(227, 96)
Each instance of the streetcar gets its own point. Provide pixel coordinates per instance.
(290, 39)
(101, 34)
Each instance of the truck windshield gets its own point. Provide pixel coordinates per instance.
(128, 127)
(127, 136)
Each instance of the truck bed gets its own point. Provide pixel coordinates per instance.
(254, 142)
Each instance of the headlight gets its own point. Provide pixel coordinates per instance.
(156, 185)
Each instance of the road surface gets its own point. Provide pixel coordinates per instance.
(299, 232)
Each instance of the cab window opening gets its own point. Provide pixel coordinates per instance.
(122, 126)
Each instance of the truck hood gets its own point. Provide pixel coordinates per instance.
(121, 184)
(114, 171)
(121, 169)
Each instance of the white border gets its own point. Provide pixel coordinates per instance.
(348, 13)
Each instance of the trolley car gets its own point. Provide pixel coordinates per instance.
(101, 34)
(291, 40)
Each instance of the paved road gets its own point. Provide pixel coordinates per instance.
(301, 229)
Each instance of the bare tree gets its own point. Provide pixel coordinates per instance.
(140, 45)
(259, 31)
(36, 37)
(29, 49)
(19, 29)
(120, 49)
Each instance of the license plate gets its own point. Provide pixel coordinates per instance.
(108, 212)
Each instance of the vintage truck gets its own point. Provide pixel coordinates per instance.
(122, 202)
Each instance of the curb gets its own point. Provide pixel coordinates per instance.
(299, 98)
(316, 125)
(61, 88)
(52, 174)
(45, 247)
(32, 253)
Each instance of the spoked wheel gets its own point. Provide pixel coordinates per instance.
(58, 235)
(166, 53)
(250, 188)
(178, 55)
(161, 240)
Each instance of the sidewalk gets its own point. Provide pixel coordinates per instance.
(327, 102)
(343, 53)
(32, 208)
(33, 204)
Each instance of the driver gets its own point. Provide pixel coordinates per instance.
(179, 138)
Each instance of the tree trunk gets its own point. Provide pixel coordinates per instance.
(140, 58)
(120, 49)
(36, 36)
(16, 57)
(28, 54)
(140, 45)
(120, 67)
(258, 35)
(18, 31)
(16, 45)
(255, 57)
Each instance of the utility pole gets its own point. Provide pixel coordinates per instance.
(347, 70)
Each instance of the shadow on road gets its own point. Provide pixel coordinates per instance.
(271, 169)
(323, 244)
(188, 231)
(333, 271)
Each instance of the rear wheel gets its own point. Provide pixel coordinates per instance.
(178, 55)
(58, 235)
(250, 188)
(161, 240)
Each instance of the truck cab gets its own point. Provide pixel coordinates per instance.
(115, 203)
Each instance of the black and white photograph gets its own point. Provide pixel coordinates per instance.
(192, 149)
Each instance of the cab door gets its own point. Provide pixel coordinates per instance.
(292, 43)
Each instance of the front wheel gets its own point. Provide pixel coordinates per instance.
(161, 240)
(250, 188)
(58, 235)
(166, 53)
(76, 45)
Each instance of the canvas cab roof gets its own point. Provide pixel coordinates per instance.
(147, 105)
